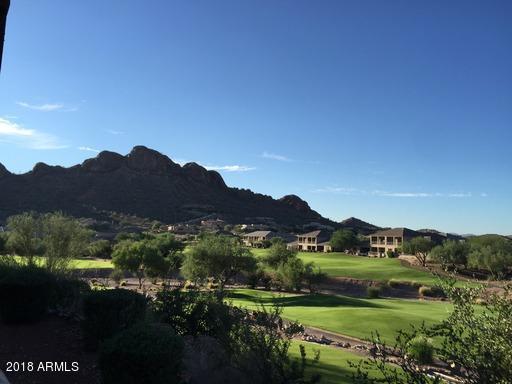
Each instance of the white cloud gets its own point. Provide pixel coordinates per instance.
(229, 168)
(13, 133)
(273, 156)
(114, 132)
(340, 190)
(355, 191)
(89, 149)
(41, 107)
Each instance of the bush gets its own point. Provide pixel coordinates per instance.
(193, 313)
(117, 276)
(150, 354)
(390, 254)
(100, 249)
(107, 312)
(430, 291)
(373, 292)
(24, 293)
(66, 294)
(395, 283)
(421, 350)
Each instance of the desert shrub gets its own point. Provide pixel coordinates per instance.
(107, 312)
(193, 313)
(421, 350)
(67, 293)
(253, 278)
(117, 276)
(395, 283)
(390, 254)
(24, 293)
(430, 291)
(373, 292)
(145, 353)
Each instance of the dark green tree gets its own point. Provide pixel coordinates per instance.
(64, 239)
(451, 253)
(419, 247)
(343, 239)
(278, 254)
(25, 235)
(218, 257)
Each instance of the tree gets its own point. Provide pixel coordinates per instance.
(495, 259)
(260, 350)
(451, 253)
(167, 244)
(100, 249)
(25, 235)
(290, 274)
(419, 247)
(217, 257)
(313, 276)
(343, 239)
(278, 254)
(492, 253)
(3, 242)
(64, 239)
(140, 258)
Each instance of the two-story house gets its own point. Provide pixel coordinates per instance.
(390, 240)
(256, 238)
(315, 241)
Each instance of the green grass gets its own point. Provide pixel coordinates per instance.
(347, 315)
(333, 365)
(91, 264)
(337, 264)
(83, 263)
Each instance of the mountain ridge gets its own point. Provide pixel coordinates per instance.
(146, 183)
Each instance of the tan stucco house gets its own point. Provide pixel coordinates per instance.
(256, 238)
(315, 241)
(390, 240)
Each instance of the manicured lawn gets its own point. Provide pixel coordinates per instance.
(347, 315)
(333, 365)
(81, 263)
(91, 264)
(337, 264)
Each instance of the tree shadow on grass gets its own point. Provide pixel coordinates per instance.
(316, 300)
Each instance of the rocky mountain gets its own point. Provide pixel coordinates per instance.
(359, 226)
(144, 183)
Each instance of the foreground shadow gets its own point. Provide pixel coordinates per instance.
(315, 300)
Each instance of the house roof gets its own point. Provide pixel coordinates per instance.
(321, 235)
(311, 234)
(397, 232)
(258, 234)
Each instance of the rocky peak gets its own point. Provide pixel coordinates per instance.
(3, 171)
(296, 202)
(148, 160)
(105, 161)
(199, 173)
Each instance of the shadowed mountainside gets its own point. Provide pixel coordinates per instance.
(145, 183)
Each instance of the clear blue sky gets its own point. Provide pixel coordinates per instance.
(396, 112)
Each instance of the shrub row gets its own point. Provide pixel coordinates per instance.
(28, 292)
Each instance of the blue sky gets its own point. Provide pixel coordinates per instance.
(396, 112)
